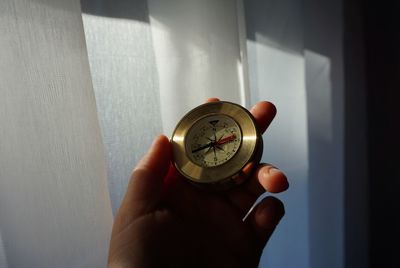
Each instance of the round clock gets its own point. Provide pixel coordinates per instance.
(216, 145)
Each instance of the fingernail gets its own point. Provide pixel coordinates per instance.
(278, 185)
(268, 171)
(284, 183)
(272, 171)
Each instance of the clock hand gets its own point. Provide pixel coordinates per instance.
(214, 144)
(202, 147)
(226, 140)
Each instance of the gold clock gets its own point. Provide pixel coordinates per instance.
(216, 145)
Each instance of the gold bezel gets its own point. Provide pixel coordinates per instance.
(218, 174)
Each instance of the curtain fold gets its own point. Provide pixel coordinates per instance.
(125, 83)
(54, 201)
(150, 62)
(153, 61)
(199, 54)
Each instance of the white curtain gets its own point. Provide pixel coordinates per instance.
(151, 65)
(54, 202)
(81, 100)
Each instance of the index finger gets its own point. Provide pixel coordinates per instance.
(263, 112)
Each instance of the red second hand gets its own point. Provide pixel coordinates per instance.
(227, 139)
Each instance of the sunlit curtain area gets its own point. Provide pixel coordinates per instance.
(85, 86)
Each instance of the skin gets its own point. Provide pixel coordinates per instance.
(164, 221)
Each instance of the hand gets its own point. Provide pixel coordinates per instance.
(164, 221)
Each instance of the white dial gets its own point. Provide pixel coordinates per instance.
(213, 140)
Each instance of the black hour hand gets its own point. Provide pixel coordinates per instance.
(202, 147)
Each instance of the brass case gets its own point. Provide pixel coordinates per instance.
(238, 168)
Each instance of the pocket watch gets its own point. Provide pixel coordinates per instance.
(216, 145)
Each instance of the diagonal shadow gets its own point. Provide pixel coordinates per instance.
(124, 9)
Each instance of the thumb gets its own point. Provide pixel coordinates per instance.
(146, 183)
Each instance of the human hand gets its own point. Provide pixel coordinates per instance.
(164, 221)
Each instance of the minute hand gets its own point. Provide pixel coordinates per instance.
(202, 147)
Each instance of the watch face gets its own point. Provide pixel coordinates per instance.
(213, 140)
(216, 145)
